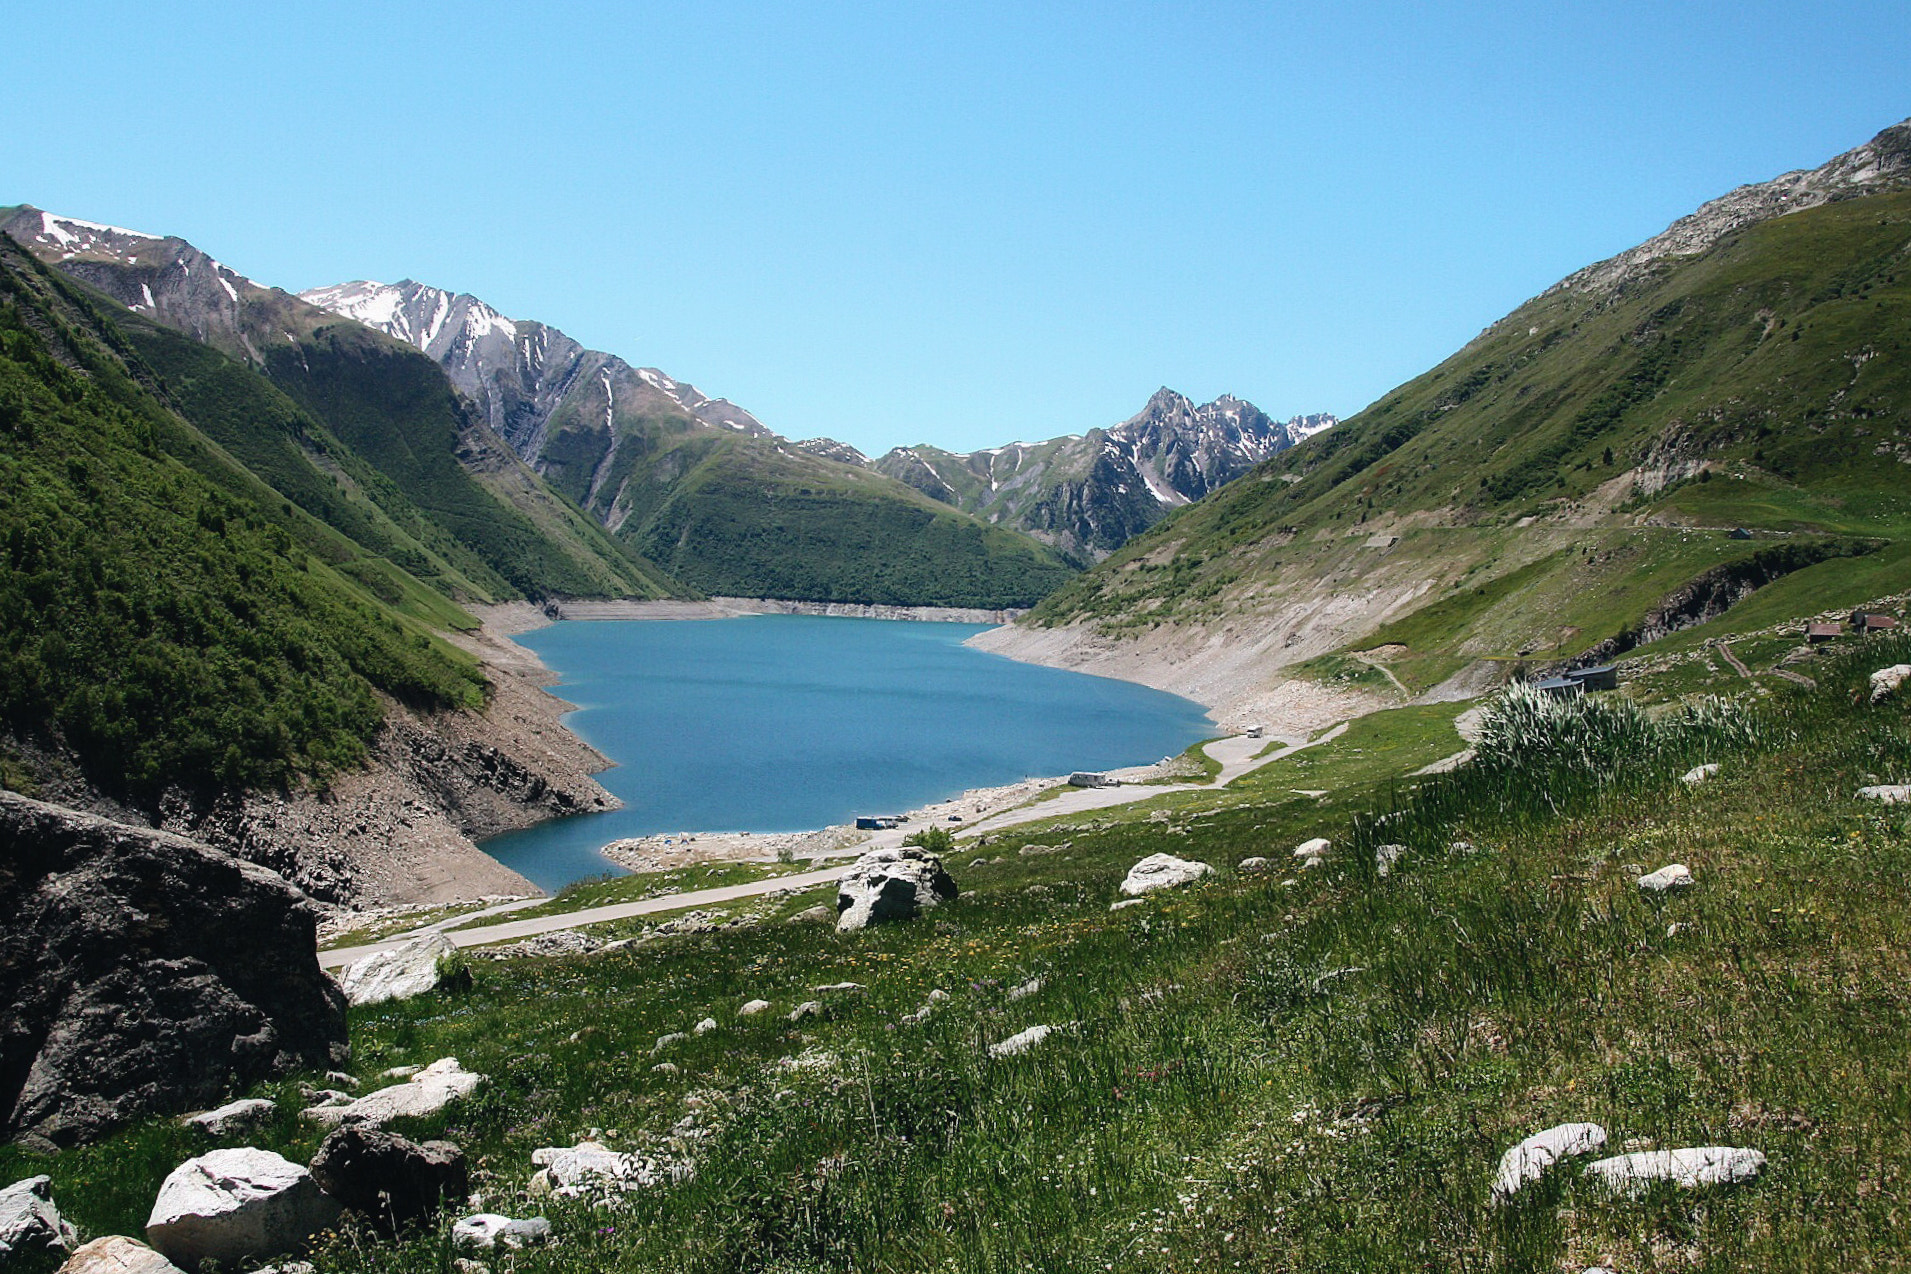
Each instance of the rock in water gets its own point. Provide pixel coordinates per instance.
(147, 975)
(891, 884)
(400, 973)
(1668, 879)
(490, 1229)
(236, 1205)
(426, 1093)
(1161, 871)
(30, 1223)
(1688, 1169)
(1525, 1162)
(117, 1254)
(394, 1181)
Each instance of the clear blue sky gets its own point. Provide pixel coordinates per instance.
(956, 223)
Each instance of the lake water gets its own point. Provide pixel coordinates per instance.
(783, 723)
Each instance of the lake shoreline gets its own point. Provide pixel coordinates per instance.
(693, 845)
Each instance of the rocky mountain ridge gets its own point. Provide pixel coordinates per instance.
(1088, 494)
(1881, 164)
(694, 482)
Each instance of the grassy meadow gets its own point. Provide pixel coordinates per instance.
(1278, 1069)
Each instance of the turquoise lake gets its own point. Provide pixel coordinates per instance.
(782, 723)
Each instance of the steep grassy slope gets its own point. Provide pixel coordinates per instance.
(1552, 483)
(165, 615)
(741, 517)
(1287, 1069)
(467, 513)
(696, 483)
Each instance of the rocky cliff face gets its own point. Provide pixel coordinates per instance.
(1088, 494)
(147, 974)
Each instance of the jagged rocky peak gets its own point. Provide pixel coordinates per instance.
(1881, 164)
(418, 314)
(159, 275)
(830, 449)
(520, 371)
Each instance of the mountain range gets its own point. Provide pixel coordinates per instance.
(1089, 494)
(1717, 413)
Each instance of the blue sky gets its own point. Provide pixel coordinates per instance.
(962, 224)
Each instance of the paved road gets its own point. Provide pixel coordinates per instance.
(512, 930)
(1237, 755)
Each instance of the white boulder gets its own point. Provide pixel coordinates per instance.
(427, 1092)
(1256, 863)
(1526, 1161)
(117, 1254)
(704, 1027)
(1387, 857)
(232, 1117)
(490, 1229)
(1310, 853)
(1887, 793)
(1161, 871)
(891, 884)
(1021, 1041)
(753, 1007)
(573, 1171)
(1688, 1168)
(1667, 879)
(1699, 774)
(30, 1223)
(236, 1205)
(1126, 903)
(1886, 681)
(397, 974)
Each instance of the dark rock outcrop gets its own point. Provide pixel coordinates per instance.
(393, 1181)
(146, 974)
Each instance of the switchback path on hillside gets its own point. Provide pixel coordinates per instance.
(1236, 755)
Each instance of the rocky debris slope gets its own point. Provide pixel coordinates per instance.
(151, 973)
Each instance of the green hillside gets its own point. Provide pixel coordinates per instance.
(166, 618)
(1274, 1068)
(393, 406)
(734, 514)
(1558, 479)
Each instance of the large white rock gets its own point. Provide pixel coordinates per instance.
(891, 884)
(1161, 871)
(489, 1229)
(572, 1171)
(1699, 774)
(1526, 1161)
(1689, 1168)
(399, 973)
(1887, 793)
(1886, 681)
(236, 1205)
(1673, 876)
(1312, 852)
(117, 1254)
(232, 1117)
(429, 1091)
(1021, 1041)
(30, 1223)
(752, 1007)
